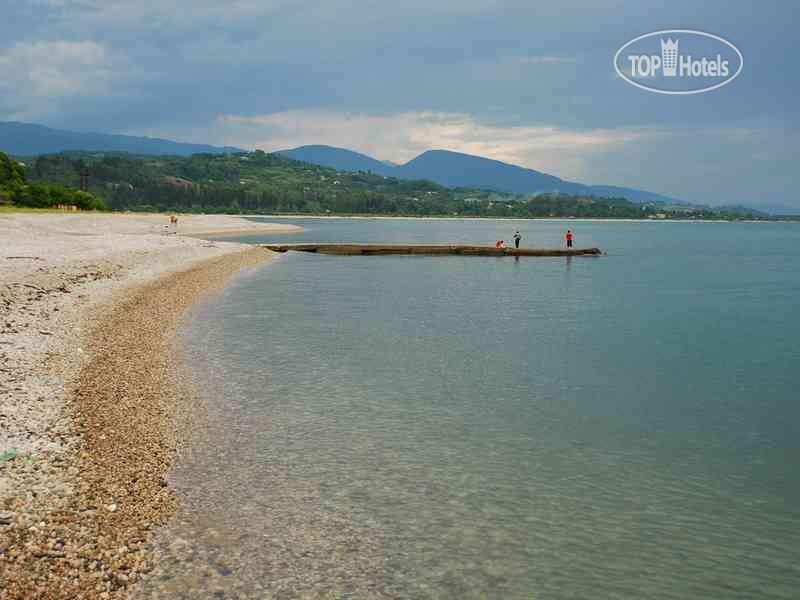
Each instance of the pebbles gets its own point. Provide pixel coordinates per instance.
(93, 432)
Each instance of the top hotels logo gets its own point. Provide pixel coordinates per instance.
(704, 62)
(669, 57)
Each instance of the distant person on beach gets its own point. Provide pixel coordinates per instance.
(498, 244)
(517, 238)
(569, 238)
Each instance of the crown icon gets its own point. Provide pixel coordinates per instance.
(669, 57)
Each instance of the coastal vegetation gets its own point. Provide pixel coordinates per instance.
(258, 182)
(15, 189)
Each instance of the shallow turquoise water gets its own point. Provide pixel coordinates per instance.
(478, 427)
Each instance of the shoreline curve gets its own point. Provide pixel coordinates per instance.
(85, 527)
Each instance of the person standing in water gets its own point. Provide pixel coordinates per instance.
(569, 238)
(517, 238)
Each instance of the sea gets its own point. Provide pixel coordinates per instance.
(459, 427)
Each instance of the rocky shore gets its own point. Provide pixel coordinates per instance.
(93, 402)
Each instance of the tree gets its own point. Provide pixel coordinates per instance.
(12, 174)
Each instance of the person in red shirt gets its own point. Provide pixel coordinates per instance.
(569, 238)
(498, 244)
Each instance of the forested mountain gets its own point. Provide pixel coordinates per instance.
(455, 169)
(341, 159)
(258, 182)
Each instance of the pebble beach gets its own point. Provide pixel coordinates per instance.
(94, 401)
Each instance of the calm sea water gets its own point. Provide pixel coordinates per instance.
(477, 427)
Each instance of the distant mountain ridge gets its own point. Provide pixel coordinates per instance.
(455, 169)
(26, 139)
(452, 169)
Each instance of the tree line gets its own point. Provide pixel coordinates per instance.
(16, 189)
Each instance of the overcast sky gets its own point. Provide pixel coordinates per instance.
(528, 82)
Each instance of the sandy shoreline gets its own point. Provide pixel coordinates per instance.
(89, 394)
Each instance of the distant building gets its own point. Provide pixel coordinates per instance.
(178, 181)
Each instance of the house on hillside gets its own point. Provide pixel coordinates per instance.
(178, 181)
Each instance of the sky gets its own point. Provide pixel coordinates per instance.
(530, 83)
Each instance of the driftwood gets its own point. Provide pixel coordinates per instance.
(380, 249)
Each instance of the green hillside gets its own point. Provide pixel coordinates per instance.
(258, 182)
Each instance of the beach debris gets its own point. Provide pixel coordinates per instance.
(8, 455)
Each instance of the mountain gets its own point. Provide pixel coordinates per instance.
(337, 158)
(634, 195)
(26, 139)
(454, 169)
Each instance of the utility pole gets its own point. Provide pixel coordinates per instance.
(84, 179)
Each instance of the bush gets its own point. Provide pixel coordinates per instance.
(47, 195)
